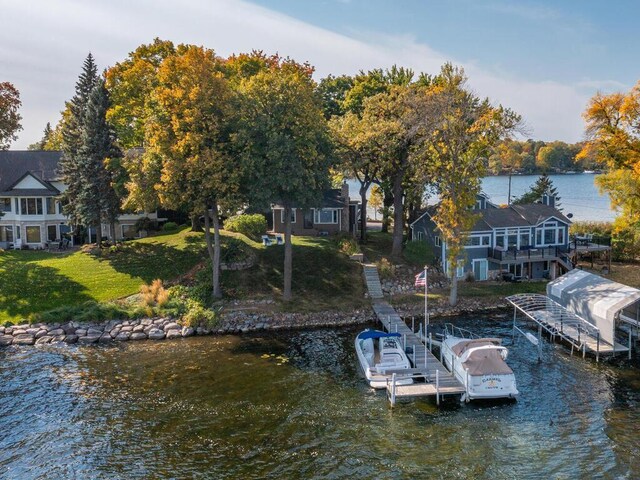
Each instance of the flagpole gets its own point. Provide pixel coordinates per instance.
(426, 312)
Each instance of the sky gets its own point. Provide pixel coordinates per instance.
(544, 59)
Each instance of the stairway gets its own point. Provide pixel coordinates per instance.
(373, 281)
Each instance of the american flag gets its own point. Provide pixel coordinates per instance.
(421, 279)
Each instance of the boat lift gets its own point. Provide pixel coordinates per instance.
(557, 321)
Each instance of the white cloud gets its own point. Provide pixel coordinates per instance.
(43, 44)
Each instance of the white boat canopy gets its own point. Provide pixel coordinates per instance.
(598, 300)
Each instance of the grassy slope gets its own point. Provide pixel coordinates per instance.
(38, 281)
(33, 281)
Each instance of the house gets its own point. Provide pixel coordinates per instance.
(337, 213)
(30, 201)
(527, 241)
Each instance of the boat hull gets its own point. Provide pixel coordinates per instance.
(489, 386)
(376, 378)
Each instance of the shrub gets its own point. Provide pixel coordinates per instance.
(169, 227)
(253, 226)
(347, 244)
(418, 253)
(386, 269)
(154, 295)
(145, 224)
(196, 315)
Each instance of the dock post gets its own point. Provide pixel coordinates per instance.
(404, 342)
(513, 333)
(414, 356)
(584, 350)
(437, 387)
(598, 347)
(425, 356)
(630, 337)
(441, 352)
(430, 343)
(393, 390)
(420, 331)
(413, 324)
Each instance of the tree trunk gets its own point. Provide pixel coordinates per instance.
(387, 204)
(112, 232)
(287, 255)
(453, 294)
(213, 248)
(398, 215)
(363, 212)
(99, 234)
(196, 226)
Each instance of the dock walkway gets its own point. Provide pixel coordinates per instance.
(438, 381)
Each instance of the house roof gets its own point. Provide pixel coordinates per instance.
(331, 198)
(528, 215)
(17, 164)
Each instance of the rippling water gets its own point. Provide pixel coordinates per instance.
(233, 407)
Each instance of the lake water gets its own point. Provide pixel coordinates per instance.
(231, 407)
(578, 192)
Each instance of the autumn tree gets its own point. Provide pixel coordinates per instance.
(375, 200)
(189, 134)
(9, 117)
(285, 141)
(613, 133)
(466, 129)
(333, 90)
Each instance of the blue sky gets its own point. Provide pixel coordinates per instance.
(543, 59)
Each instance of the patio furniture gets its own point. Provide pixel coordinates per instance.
(266, 240)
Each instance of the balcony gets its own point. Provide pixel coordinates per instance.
(527, 255)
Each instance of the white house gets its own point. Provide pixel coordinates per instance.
(30, 190)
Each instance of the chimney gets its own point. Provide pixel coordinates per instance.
(344, 192)
(549, 200)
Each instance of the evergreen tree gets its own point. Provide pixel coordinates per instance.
(543, 186)
(72, 127)
(97, 201)
(46, 136)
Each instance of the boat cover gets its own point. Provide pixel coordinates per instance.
(482, 362)
(376, 334)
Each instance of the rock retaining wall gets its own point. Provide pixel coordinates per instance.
(166, 328)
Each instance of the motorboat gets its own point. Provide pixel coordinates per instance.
(380, 354)
(479, 364)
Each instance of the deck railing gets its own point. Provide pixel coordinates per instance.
(539, 253)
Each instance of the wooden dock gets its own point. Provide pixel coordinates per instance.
(434, 379)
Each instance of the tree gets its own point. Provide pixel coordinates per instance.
(613, 133)
(375, 200)
(543, 186)
(556, 156)
(285, 140)
(466, 129)
(97, 202)
(71, 132)
(46, 137)
(332, 91)
(190, 134)
(9, 117)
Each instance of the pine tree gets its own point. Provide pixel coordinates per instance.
(96, 202)
(72, 127)
(42, 144)
(543, 186)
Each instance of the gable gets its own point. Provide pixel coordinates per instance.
(28, 181)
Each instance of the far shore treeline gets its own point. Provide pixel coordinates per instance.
(179, 127)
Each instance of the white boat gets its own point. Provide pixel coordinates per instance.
(380, 352)
(479, 364)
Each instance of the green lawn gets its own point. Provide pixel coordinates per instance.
(33, 281)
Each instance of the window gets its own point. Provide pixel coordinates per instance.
(128, 231)
(6, 233)
(52, 233)
(293, 215)
(31, 206)
(33, 234)
(561, 236)
(420, 236)
(325, 215)
(516, 269)
(51, 206)
(436, 241)
(5, 204)
(524, 239)
(478, 241)
(500, 240)
(549, 236)
(460, 271)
